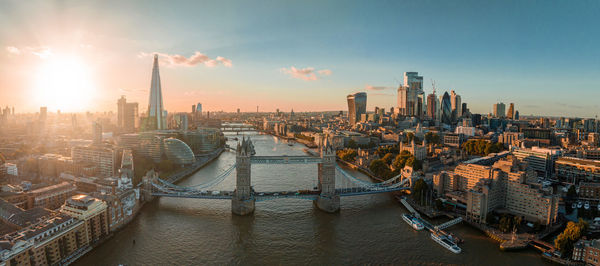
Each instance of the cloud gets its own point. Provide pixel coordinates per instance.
(41, 52)
(13, 50)
(195, 59)
(376, 88)
(307, 73)
(324, 72)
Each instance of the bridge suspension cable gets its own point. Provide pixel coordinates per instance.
(218, 179)
(386, 184)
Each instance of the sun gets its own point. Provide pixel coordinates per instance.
(64, 83)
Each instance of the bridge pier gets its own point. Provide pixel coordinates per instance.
(242, 202)
(328, 200)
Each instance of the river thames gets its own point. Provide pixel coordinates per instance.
(367, 230)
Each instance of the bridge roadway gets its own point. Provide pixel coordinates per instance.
(262, 196)
(285, 159)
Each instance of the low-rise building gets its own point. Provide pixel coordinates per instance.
(508, 185)
(50, 197)
(454, 140)
(541, 160)
(589, 191)
(92, 211)
(574, 170)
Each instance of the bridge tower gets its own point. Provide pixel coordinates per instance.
(147, 181)
(328, 200)
(242, 202)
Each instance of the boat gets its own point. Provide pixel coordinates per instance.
(290, 144)
(413, 221)
(446, 242)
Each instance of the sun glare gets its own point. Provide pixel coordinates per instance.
(65, 83)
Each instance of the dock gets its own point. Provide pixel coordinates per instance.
(433, 228)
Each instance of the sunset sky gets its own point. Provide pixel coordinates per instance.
(307, 55)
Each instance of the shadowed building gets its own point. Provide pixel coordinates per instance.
(357, 105)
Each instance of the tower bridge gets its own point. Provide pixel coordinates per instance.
(326, 196)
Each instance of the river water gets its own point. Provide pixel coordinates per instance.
(367, 230)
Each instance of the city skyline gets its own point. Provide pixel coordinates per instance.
(250, 61)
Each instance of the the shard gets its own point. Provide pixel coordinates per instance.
(155, 104)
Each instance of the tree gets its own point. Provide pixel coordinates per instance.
(348, 155)
(419, 189)
(352, 144)
(432, 138)
(380, 168)
(409, 137)
(388, 158)
(573, 232)
(407, 159)
(482, 147)
(572, 192)
(505, 224)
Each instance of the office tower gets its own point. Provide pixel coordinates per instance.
(431, 105)
(408, 95)
(421, 105)
(193, 108)
(456, 105)
(127, 115)
(499, 110)
(43, 111)
(511, 111)
(516, 115)
(96, 133)
(180, 121)
(155, 104)
(465, 110)
(446, 109)
(357, 105)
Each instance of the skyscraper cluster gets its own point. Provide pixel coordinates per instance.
(410, 95)
(447, 108)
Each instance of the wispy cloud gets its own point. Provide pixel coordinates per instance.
(376, 88)
(41, 52)
(308, 73)
(195, 59)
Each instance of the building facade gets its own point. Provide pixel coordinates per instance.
(357, 105)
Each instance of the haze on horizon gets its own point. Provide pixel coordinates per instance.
(307, 55)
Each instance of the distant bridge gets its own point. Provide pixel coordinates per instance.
(326, 195)
(237, 128)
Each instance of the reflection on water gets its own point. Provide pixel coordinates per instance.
(368, 229)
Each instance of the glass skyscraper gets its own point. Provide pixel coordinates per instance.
(446, 109)
(156, 119)
(357, 105)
